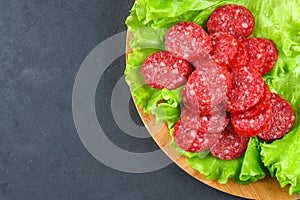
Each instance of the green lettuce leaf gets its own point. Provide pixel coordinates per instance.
(245, 169)
(165, 105)
(252, 167)
(275, 20)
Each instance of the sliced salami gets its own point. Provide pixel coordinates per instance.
(282, 121)
(231, 19)
(224, 48)
(197, 93)
(203, 123)
(165, 70)
(240, 58)
(253, 126)
(219, 81)
(230, 145)
(188, 40)
(256, 53)
(192, 105)
(271, 55)
(192, 141)
(205, 89)
(263, 103)
(247, 87)
(218, 108)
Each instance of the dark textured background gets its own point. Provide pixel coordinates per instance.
(42, 45)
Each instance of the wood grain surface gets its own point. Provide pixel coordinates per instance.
(265, 189)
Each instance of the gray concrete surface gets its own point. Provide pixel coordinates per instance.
(42, 44)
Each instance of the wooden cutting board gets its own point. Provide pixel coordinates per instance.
(266, 189)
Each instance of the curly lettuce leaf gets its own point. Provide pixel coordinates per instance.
(282, 159)
(245, 169)
(165, 105)
(282, 156)
(252, 167)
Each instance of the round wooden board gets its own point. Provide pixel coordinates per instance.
(266, 189)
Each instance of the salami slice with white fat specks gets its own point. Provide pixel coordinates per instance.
(247, 87)
(230, 145)
(197, 93)
(252, 126)
(206, 88)
(263, 103)
(271, 55)
(192, 105)
(188, 40)
(192, 141)
(203, 123)
(165, 70)
(231, 19)
(282, 121)
(240, 58)
(256, 53)
(224, 48)
(219, 81)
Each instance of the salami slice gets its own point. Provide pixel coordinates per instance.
(188, 40)
(247, 87)
(192, 141)
(218, 108)
(253, 126)
(282, 121)
(203, 123)
(230, 145)
(192, 106)
(165, 70)
(197, 93)
(271, 56)
(263, 103)
(240, 58)
(256, 53)
(231, 19)
(206, 88)
(191, 103)
(219, 81)
(224, 48)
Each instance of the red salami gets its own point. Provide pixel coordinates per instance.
(253, 126)
(206, 88)
(165, 70)
(218, 78)
(256, 53)
(197, 93)
(247, 87)
(218, 108)
(191, 103)
(271, 56)
(192, 106)
(188, 40)
(230, 145)
(282, 121)
(224, 48)
(240, 58)
(263, 103)
(203, 123)
(231, 19)
(192, 141)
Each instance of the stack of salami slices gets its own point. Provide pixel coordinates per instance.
(225, 99)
